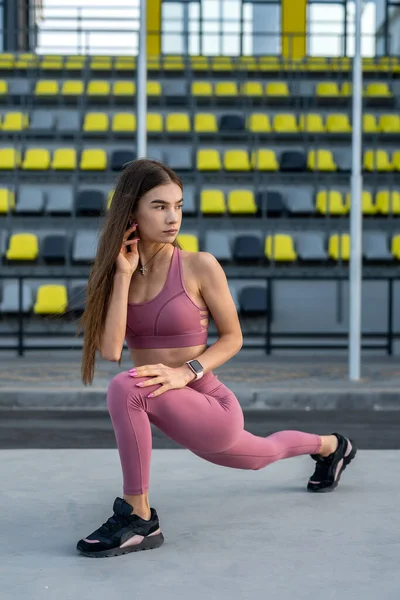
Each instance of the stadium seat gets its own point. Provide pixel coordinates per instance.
(89, 202)
(247, 248)
(378, 89)
(277, 89)
(338, 123)
(330, 202)
(123, 89)
(327, 89)
(231, 123)
(221, 64)
(188, 242)
(370, 124)
(368, 206)
(95, 122)
(212, 202)
(388, 202)
(202, 89)
(30, 200)
(285, 123)
(395, 246)
(205, 123)
(292, 160)
(376, 247)
(311, 123)
(280, 247)
(310, 247)
(236, 160)
(120, 158)
(42, 122)
(93, 159)
(60, 201)
(3, 87)
(181, 159)
(189, 203)
(64, 159)
(46, 88)
(123, 122)
(264, 160)
(51, 299)
(23, 246)
(217, 243)
(84, 246)
(339, 247)
(208, 160)
(242, 202)
(68, 122)
(54, 248)
(9, 159)
(10, 297)
(153, 89)
(15, 121)
(154, 122)
(377, 160)
(396, 160)
(7, 200)
(271, 201)
(98, 89)
(36, 159)
(300, 201)
(77, 299)
(253, 300)
(321, 160)
(251, 89)
(178, 123)
(389, 123)
(259, 123)
(226, 89)
(72, 88)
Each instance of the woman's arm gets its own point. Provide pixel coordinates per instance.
(112, 339)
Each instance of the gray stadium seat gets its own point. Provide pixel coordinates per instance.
(76, 298)
(10, 303)
(189, 204)
(60, 201)
(68, 121)
(175, 90)
(343, 159)
(19, 87)
(42, 121)
(156, 154)
(253, 300)
(234, 293)
(300, 201)
(310, 246)
(217, 243)
(84, 246)
(29, 200)
(376, 246)
(181, 159)
(248, 247)
(54, 247)
(3, 242)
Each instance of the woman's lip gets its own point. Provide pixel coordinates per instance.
(171, 231)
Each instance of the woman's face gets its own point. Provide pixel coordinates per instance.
(159, 214)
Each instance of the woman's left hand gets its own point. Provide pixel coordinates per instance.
(170, 378)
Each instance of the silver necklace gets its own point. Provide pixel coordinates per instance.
(143, 267)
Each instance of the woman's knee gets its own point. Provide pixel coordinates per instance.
(123, 385)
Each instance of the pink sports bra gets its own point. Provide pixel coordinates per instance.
(169, 320)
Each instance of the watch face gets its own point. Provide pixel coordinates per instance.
(196, 366)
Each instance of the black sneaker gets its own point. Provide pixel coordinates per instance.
(329, 468)
(123, 533)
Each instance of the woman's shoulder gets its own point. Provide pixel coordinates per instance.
(199, 262)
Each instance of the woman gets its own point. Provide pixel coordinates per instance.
(144, 288)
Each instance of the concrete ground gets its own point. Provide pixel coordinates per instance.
(229, 534)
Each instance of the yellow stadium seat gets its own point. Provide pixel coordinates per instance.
(178, 123)
(125, 63)
(98, 88)
(93, 159)
(269, 63)
(26, 60)
(242, 202)
(388, 202)
(311, 123)
(221, 63)
(199, 63)
(101, 63)
(326, 89)
(95, 121)
(369, 124)
(188, 242)
(208, 160)
(277, 88)
(9, 159)
(72, 88)
(153, 88)
(285, 123)
(236, 160)
(212, 202)
(7, 200)
(368, 206)
(75, 62)
(259, 123)
(153, 63)
(339, 246)
(3, 87)
(51, 299)
(280, 247)
(36, 159)
(316, 63)
(226, 88)
(252, 89)
(52, 62)
(347, 89)
(320, 160)
(205, 123)
(123, 122)
(174, 63)
(396, 246)
(46, 88)
(377, 160)
(389, 123)
(23, 246)
(154, 122)
(124, 88)
(15, 121)
(330, 202)
(64, 159)
(264, 160)
(110, 197)
(396, 160)
(6, 61)
(338, 123)
(378, 89)
(246, 63)
(202, 88)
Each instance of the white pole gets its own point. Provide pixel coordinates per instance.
(141, 113)
(356, 208)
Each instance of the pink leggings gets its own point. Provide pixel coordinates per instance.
(205, 417)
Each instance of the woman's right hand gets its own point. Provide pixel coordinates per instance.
(128, 257)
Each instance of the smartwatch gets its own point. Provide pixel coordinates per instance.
(196, 367)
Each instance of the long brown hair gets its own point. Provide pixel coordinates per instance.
(136, 179)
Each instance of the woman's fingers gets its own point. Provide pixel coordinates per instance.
(152, 381)
(129, 231)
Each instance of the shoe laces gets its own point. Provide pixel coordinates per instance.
(113, 523)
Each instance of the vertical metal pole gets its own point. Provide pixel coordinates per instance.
(356, 208)
(142, 84)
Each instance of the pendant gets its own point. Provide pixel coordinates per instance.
(143, 269)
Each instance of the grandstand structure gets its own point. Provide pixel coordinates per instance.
(263, 145)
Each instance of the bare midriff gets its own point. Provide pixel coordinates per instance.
(171, 357)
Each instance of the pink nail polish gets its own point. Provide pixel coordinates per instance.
(140, 384)
(150, 395)
(132, 371)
